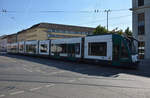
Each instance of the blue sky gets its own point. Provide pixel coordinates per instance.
(28, 13)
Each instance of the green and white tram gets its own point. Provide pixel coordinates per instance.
(111, 49)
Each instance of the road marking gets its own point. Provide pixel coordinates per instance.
(33, 89)
(24, 65)
(49, 85)
(14, 61)
(56, 72)
(43, 72)
(2, 95)
(71, 80)
(81, 78)
(38, 70)
(33, 65)
(27, 70)
(18, 92)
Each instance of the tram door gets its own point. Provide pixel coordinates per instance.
(120, 52)
(116, 52)
(71, 50)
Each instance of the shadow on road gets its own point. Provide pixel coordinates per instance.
(88, 69)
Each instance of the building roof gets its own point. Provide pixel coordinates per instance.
(60, 27)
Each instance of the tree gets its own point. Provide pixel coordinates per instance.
(120, 32)
(128, 32)
(116, 31)
(100, 30)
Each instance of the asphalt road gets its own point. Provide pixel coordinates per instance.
(29, 77)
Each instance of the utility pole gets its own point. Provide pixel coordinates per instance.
(107, 11)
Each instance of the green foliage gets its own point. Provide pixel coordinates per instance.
(116, 31)
(128, 32)
(100, 30)
(120, 32)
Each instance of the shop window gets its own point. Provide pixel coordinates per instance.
(97, 49)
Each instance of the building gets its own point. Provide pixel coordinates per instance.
(45, 31)
(12, 38)
(141, 26)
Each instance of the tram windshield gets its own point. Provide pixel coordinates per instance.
(133, 45)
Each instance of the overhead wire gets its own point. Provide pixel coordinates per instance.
(104, 19)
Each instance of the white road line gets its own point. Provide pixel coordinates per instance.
(2, 95)
(18, 92)
(72, 80)
(14, 61)
(24, 65)
(43, 72)
(33, 65)
(49, 85)
(27, 70)
(38, 70)
(56, 72)
(33, 89)
(81, 78)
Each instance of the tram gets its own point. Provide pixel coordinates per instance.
(111, 49)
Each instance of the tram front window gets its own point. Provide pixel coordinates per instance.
(134, 47)
(133, 44)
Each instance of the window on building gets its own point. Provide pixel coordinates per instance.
(140, 2)
(141, 24)
(53, 30)
(141, 49)
(97, 49)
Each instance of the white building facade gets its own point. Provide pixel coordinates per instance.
(141, 26)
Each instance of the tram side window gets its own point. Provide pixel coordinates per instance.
(97, 49)
(124, 52)
(77, 48)
(31, 48)
(21, 47)
(53, 48)
(59, 48)
(63, 48)
(43, 48)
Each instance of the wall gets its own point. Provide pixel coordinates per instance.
(32, 34)
(146, 36)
